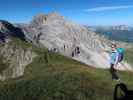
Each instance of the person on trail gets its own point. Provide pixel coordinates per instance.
(114, 60)
(64, 47)
(77, 50)
(72, 53)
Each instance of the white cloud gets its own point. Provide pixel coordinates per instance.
(106, 8)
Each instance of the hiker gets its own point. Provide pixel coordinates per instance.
(72, 53)
(116, 57)
(64, 47)
(77, 50)
(55, 50)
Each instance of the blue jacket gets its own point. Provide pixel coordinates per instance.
(114, 57)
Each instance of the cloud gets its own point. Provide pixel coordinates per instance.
(106, 8)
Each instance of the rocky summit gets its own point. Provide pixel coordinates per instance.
(56, 33)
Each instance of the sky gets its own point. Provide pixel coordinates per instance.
(86, 12)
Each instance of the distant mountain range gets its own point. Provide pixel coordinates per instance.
(118, 33)
(122, 28)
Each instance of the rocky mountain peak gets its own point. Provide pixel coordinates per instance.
(55, 32)
(43, 19)
(55, 15)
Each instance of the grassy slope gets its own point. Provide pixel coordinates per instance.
(55, 77)
(129, 56)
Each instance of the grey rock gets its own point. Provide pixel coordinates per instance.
(16, 59)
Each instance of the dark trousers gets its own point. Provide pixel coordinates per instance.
(113, 72)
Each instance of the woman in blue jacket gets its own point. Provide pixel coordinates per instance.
(114, 59)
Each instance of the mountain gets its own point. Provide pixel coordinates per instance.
(29, 70)
(121, 28)
(9, 30)
(119, 33)
(54, 32)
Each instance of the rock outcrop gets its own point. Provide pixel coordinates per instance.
(14, 58)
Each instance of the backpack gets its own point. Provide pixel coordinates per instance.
(121, 52)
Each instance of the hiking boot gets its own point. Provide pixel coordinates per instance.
(118, 80)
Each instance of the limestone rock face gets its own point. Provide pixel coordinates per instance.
(53, 31)
(16, 59)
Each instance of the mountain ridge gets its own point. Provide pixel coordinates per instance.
(64, 36)
(54, 31)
